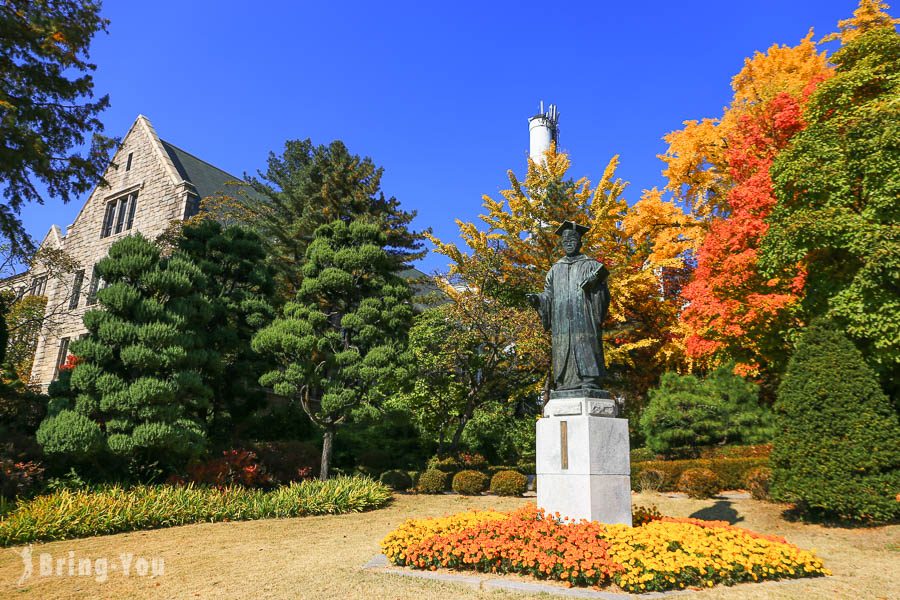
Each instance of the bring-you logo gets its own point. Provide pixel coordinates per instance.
(99, 568)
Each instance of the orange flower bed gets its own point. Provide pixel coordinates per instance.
(661, 554)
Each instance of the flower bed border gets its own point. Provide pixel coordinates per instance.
(523, 584)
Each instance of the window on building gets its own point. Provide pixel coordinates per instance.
(132, 206)
(76, 289)
(119, 215)
(108, 219)
(128, 162)
(93, 286)
(61, 356)
(39, 285)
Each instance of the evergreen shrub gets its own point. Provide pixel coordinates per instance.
(71, 435)
(396, 480)
(433, 481)
(509, 483)
(447, 464)
(687, 413)
(469, 482)
(836, 453)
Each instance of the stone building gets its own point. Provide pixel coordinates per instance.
(150, 183)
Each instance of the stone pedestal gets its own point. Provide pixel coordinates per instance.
(583, 460)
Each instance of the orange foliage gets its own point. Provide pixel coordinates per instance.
(733, 309)
(696, 160)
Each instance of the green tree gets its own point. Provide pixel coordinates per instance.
(46, 107)
(23, 324)
(342, 341)
(6, 300)
(238, 286)
(308, 186)
(837, 444)
(139, 377)
(837, 213)
(686, 413)
(467, 354)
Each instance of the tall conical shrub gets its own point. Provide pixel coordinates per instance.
(138, 390)
(837, 447)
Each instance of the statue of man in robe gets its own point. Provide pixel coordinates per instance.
(573, 306)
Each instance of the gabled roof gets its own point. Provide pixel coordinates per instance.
(208, 180)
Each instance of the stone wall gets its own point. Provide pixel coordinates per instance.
(161, 198)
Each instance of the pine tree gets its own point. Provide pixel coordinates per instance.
(308, 186)
(47, 112)
(686, 413)
(342, 341)
(138, 382)
(837, 444)
(238, 285)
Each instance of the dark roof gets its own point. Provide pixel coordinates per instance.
(207, 179)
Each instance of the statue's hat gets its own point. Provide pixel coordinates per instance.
(581, 229)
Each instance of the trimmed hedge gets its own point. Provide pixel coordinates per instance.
(470, 483)
(433, 481)
(509, 483)
(758, 482)
(68, 514)
(730, 471)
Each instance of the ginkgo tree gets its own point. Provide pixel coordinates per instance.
(719, 170)
(644, 247)
(697, 165)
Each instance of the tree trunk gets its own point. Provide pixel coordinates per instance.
(545, 393)
(327, 446)
(457, 435)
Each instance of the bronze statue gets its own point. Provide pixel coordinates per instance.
(573, 306)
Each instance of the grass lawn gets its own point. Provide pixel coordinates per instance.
(320, 557)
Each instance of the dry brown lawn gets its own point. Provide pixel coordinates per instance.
(320, 557)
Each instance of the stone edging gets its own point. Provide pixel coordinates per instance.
(483, 581)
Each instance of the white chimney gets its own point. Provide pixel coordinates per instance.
(543, 129)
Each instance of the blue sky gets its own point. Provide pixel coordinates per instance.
(437, 93)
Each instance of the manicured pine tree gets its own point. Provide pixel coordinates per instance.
(238, 286)
(138, 386)
(341, 342)
(837, 444)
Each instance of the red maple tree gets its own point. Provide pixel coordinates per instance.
(734, 312)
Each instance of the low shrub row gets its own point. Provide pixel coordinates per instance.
(658, 554)
(471, 482)
(67, 514)
(663, 475)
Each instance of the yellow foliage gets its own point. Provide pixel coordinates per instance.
(515, 246)
(870, 14)
(782, 69)
(667, 229)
